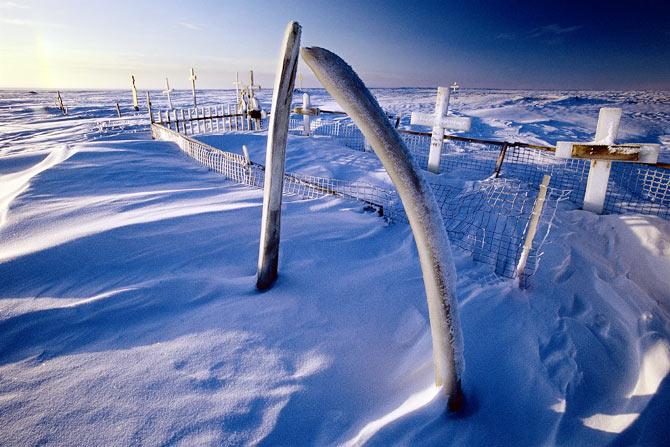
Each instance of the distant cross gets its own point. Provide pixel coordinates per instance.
(193, 78)
(167, 91)
(454, 88)
(439, 122)
(307, 111)
(602, 151)
(237, 84)
(136, 106)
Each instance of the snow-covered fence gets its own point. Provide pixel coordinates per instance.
(488, 219)
(236, 167)
(632, 188)
(207, 119)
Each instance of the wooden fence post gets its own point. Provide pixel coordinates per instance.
(532, 227)
(268, 257)
(151, 116)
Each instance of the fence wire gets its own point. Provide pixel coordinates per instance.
(487, 218)
(632, 188)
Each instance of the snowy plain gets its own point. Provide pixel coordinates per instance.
(128, 314)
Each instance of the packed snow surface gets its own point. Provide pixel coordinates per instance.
(128, 313)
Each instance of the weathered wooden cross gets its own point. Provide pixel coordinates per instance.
(59, 103)
(167, 91)
(136, 106)
(307, 111)
(193, 78)
(602, 151)
(439, 122)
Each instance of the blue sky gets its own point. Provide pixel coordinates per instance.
(497, 44)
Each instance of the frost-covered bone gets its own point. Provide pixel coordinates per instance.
(602, 151)
(275, 158)
(439, 121)
(193, 78)
(439, 273)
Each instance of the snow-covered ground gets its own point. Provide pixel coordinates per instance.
(128, 313)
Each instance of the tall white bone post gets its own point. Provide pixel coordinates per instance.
(167, 91)
(268, 256)
(439, 122)
(136, 106)
(602, 151)
(193, 78)
(437, 265)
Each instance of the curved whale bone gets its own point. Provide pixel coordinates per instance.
(437, 265)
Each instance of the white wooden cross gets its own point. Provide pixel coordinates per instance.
(602, 151)
(167, 91)
(306, 111)
(237, 84)
(454, 88)
(136, 106)
(193, 78)
(439, 121)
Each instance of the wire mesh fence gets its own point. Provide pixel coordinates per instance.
(489, 218)
(632, 188)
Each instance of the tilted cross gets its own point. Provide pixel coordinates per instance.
(193, 78)
(602, 151)
(439, 122)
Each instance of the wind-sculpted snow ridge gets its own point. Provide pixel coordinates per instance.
(128, 313)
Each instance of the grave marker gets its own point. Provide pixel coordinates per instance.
(602, 151)
(237, 84)
(59, 103)
(167, 91)
(439, 122)
(193, 78)
(136, 106)
(307, 111)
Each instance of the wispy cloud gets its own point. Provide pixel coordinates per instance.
(554, 30)
(30, 23)
(191, 26)
(506, 36)
(12, 5)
